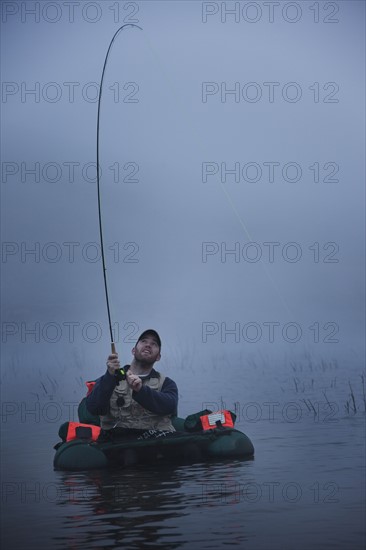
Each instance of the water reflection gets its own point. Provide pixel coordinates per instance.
(143, 505)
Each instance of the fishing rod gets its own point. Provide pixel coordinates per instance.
(98, 181)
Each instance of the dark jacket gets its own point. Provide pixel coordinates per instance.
(164, 402)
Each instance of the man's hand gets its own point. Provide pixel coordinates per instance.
(134, 381)
(113, 363)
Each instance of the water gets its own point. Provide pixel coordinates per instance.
(304, 488)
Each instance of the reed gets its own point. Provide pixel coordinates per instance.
(309, 408)
(327, 400)
(314, 409)
(363, 391)
(352, 398)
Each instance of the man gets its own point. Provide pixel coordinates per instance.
(144, 400)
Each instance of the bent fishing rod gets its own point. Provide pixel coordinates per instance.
(98, 181)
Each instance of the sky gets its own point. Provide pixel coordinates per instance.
(232, 176)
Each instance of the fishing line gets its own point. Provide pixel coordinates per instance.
(98, 182)
(177, 95)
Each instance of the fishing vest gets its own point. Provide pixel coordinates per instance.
(125, 412)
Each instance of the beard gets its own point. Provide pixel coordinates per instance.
(145, 359)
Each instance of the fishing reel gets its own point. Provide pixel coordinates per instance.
(120, 374)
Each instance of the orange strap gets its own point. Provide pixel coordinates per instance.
(76, 430)
(217, 419)
(90, 386)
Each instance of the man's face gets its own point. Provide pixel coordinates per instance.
(147, 350)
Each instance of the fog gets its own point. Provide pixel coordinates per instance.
(232, 179)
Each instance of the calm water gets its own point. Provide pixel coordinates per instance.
(305, 487)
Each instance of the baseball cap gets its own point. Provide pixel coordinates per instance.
(150, 332)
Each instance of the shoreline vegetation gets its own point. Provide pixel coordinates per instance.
(316, 387)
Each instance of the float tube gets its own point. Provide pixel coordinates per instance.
(199, 437)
